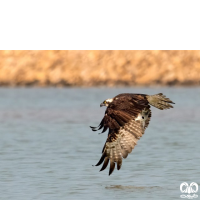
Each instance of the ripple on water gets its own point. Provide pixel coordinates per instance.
(132, 187)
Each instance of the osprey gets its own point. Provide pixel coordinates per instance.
(127, 116)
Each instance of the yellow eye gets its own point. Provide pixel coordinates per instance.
(105, 102)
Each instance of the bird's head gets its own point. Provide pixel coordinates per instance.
(106, 102)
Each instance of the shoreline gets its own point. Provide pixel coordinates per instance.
(99, 68)
(100, 86)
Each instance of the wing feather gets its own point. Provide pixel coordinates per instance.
(126, 117)
(119, 163)
(112, 167)
(101, 159)
(105, 164)
(121, 142)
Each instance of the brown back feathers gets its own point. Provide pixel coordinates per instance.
(126, 117)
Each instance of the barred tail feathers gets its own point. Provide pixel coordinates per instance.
(160, 101)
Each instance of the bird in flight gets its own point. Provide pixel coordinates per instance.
(127, 116)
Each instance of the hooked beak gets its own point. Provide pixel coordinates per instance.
(102, 104)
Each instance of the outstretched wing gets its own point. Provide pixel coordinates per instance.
(121, 142)
(127, 117)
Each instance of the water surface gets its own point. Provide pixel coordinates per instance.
(47, 148)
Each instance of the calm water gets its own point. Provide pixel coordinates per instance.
(47, 148)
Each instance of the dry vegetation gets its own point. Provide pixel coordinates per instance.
(93, 68)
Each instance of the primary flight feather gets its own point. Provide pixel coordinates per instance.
(127, 116)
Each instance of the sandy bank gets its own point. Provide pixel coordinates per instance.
(94, 68)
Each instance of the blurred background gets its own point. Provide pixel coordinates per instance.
(47, 148)
(97, 68)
